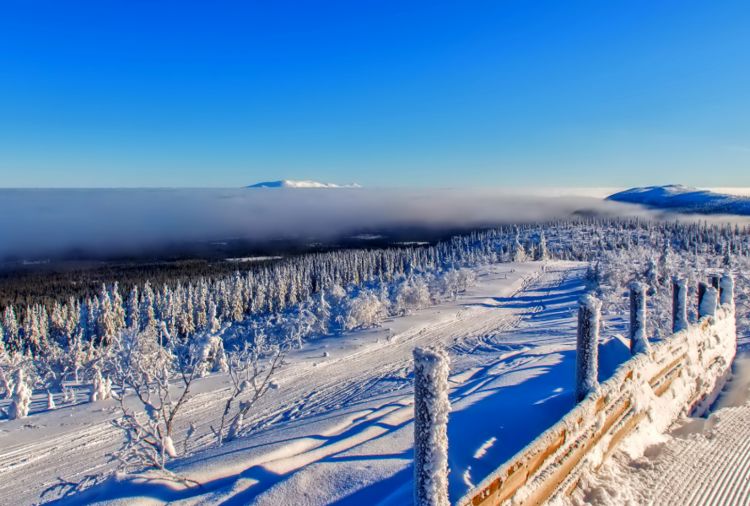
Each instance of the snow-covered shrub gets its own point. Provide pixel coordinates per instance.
(412, 294)
(364, 310)
(160, 371)
(211, 355)
(101, 388)
(20, 396)
(251, 370)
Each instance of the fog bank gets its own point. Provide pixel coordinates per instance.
(38, 223)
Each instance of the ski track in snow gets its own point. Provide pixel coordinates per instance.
(346, 419)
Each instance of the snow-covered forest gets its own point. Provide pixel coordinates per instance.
(156, 341)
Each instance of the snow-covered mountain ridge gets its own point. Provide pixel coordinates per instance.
(681, 198)
(290, 183)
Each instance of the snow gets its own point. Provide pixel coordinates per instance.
(699, 461)
(708, 302)
(582, 440)
(685, 199)
(339, 428)
(290, 183)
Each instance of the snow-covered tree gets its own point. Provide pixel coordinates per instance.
(20, 396)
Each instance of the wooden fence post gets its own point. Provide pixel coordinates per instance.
(679, 304)
(638, 339)
(587, 346)
(431, 408)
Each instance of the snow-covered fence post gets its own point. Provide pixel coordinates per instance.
(431, 407)
(587, 346)
(726, 290)
(679, 305)
(708, 303)
(638, 339)
(701, 291)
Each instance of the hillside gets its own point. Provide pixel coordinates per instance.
(685, 199)
(290, 183)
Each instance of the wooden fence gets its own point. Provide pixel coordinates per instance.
(679, 375)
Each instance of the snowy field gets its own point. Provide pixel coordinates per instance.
(339, 427)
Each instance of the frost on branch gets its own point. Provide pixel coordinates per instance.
(251, 370)
(159, 370)
(431, 408)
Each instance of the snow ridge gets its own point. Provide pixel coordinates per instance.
(291, 183)
(679, 198)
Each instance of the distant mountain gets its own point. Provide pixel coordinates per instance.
(288, 183)
(679, 198)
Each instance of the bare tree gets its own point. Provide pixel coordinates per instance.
(250, 370)
(159, 371)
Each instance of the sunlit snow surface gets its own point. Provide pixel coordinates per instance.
(339, 428)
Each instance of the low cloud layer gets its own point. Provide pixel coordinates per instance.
(38, 223)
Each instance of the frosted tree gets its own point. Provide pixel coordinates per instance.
(101, 388)
(542, 253)
(10, 326)
(364, 310)
(251, 369)
(518, 253)
(133, 311)
(147, 317)
(20, 396)
(160, 372)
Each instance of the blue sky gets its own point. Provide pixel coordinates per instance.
(439, 93)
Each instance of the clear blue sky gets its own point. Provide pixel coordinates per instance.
(439, 93)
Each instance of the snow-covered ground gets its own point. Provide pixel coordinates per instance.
(700, 461)
(339, 427)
